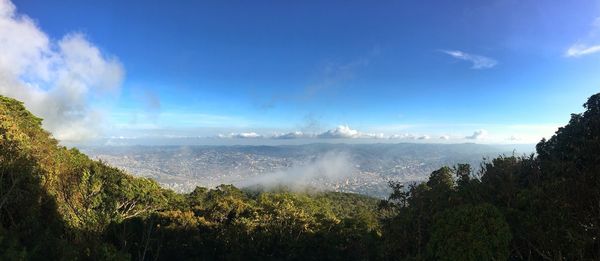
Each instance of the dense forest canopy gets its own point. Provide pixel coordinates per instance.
(57, 204)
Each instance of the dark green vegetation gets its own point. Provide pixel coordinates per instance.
(57, 204)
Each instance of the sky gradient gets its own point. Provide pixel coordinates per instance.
(387, 71)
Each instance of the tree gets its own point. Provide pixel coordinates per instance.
(469, 233)
(441, 179)
(463, 173)
(570, 172)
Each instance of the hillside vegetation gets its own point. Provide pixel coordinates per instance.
(57, 204)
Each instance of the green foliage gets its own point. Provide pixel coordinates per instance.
(469, 232)
(550, 203)
(441, 179)
(228, 223)
(55, 202)
(11, 248)
(569, 164)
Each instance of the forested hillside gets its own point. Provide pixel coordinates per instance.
(57, 204)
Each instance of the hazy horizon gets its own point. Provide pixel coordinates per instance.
(215, 141)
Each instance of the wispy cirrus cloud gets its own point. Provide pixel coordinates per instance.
(329, 78)
(582, 49)
(589, 44)
(477, 61)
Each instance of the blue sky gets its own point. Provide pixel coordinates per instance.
(426, 71)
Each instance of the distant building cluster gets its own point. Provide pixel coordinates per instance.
(184, 168)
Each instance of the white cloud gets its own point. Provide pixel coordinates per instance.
(290, 135)
(342, 131)
(478, 135)
(345, 132)
(589, 44)
(444, 137)
(577, 50)
(57, 80)
(515, 138)
(403, 136)
(248, 135)
(242, 135)
(478, 61)
(373, 135)
(423, 137)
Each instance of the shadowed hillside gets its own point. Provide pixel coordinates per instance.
(57, 203)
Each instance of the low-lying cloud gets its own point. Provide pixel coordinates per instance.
(331, 167)
(56, 79)
(342, 131)
(477, 135)
(345, 132)
(339, 132)
(242, 135)
(291, 135)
